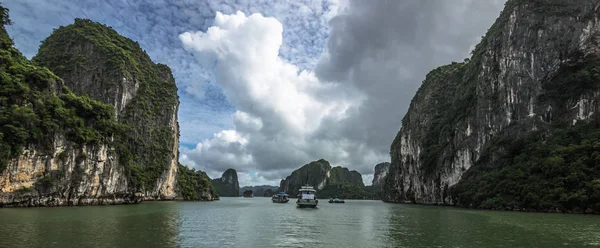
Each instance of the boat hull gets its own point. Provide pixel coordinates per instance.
(307, 203)
(282, 201)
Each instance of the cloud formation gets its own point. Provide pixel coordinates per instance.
(350, 108)
(279, 106)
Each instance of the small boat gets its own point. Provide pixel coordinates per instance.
(307, 197)
(282, 197)
(336, 200)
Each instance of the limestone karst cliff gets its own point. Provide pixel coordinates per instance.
(227, 184)
(513, 127)
(381, 172)
(95, 60)
(90, 120)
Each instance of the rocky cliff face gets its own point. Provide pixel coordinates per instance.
(228, 184)
(95, 60)
(320, 175)
(533, 73)
(76, 153)
(381, 172)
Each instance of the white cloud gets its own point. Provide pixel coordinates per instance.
(280, 108)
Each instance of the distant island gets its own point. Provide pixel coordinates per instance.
(261, 190)
(227, 184)
(248, 194)
(329, 182)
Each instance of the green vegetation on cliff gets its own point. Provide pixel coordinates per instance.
(35, 106)
(556, 168)
(559, 170)
(194, 185)
(118, 65)
(346, 191)
(227, 184)
(452, 103)
(341, 175)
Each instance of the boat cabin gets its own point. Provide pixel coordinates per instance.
(307, 193)
(282, 197)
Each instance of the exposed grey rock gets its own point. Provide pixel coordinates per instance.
(504, 90)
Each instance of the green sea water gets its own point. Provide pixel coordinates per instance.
(256, 222)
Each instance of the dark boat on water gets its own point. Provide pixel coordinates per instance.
(282, 197)
(336, 200)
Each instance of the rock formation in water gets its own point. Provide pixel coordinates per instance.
(329, 181)
(516, 125)
(376, 187)
(248, 193)
(90, 120)
(193, 185)
(260, 190)
(95, 60)
(228, 184)
(381, 171)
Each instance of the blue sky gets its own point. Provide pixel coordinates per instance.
(277, 84)
(156, 25)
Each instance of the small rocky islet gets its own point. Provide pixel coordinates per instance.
(514, 127)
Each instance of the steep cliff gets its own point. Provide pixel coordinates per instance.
(228, 184)
(330, 182)
(381, 172)
(55, 145)
(532, 85)
(60, 148)
(95, 60)
(376, 187)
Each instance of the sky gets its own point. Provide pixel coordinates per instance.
(267, 86)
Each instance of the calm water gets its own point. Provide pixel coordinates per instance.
(239, 222)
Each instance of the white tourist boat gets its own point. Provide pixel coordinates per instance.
(307, 197)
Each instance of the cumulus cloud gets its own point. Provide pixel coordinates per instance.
(349, 109)
(279, 106)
